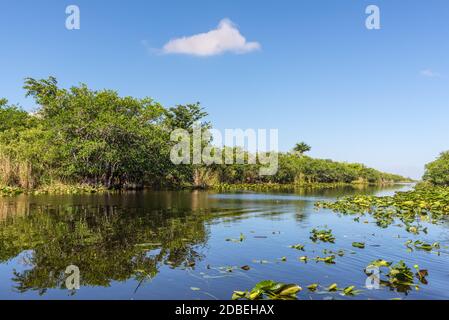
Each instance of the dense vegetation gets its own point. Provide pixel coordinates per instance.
(437, 172)
(92, 137)
(425, 203)
(428, 201)
(80, 136)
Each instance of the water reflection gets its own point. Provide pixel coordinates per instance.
(132, 236)
(107, 241)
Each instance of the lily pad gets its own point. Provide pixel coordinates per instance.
(298, 247)
(360, 245)
(269, 289)
(322, 235)
(332, 288)
(312, 287)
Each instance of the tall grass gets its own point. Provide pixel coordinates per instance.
(17, 173)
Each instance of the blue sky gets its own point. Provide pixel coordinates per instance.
(380, 97)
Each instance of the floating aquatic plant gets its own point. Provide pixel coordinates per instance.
(421, 274)
(313, 287)
(360, 245)
(332, 288)
(430, 204)
(380, 263)
(328, 259)
(350, 291)
(269, 289)
(339, 253)
(242, 237)
(399, 276)
(298, 247)
(322, 235)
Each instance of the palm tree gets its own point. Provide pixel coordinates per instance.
(301, 148)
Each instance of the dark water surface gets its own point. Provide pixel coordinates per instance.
(172, 245)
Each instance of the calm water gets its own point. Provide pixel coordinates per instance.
(172, 245)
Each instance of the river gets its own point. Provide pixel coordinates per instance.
(193, 245)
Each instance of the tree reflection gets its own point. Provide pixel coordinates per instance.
(107, 243)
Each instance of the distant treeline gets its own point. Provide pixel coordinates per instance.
(82, 136)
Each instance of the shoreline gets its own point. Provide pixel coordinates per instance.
(67, 189)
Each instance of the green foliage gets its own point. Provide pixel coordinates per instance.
(301, 148)
(83, 136)
(430, 204)
(269, 289)
(298, 247)
(360, 245)
(437, 172)
(327, 260)
(322, 235)
(79, 135)
(399, 276)
(304, 169)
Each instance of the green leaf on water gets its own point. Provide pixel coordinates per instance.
(255, 294)
(332, 288)
(298, 247)
(350, 291)
(327, 260)
(265, 285)
(380, 263)
(322, 235)
(271, 290)
(239, 295)
(312, 287)
(289, 289)
(420, 245)
(360, 245)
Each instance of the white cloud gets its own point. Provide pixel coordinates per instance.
(225, 38)
(430, 73)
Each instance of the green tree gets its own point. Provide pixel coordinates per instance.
(97, 137)
(437, 172)
(301, 148)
